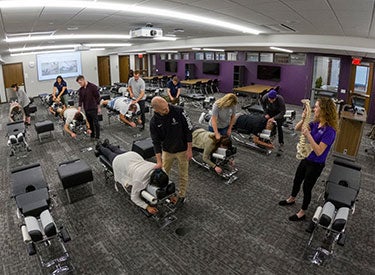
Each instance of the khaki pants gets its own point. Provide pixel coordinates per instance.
(183, 169)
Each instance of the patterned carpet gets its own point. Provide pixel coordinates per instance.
(236, 229)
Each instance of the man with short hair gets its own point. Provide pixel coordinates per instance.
(72, 115)
(174, 90)
(126, 107)
(171, 133)
(136, 88)
(89, 100)
(274, 108)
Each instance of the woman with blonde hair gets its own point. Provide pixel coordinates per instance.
(321, 134)
(223, 115)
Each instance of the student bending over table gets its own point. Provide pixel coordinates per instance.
(126, 107)
(72, 116)
(206, 140)
(130, 169)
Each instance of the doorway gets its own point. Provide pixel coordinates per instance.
(124, 64)
(104, 71)
(13, 73)
(360, 85)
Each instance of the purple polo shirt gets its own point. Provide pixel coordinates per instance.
(325, 134)
(89, 97)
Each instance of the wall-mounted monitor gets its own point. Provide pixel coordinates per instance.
(211, 68)
(269, 72)
(171, 66)
(66, 64)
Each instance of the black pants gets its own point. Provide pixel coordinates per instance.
(142, 106)
(307, 172)
(92, 118)
(110, 151)
(280, 132)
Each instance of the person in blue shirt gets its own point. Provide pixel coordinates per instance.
(60, 90)
(174, 90)
(320, 134)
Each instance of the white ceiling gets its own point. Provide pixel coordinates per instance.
(347, 18)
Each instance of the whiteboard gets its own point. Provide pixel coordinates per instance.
(66, 64)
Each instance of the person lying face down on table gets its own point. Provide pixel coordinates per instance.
(125, 106)
(130, 169)
(206, 140)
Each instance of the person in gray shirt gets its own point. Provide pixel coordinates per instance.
(24, 101)
(223, 116)
(136, 88)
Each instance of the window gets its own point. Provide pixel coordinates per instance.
(199, 56)
(281, 58)
(266, 57)
(361, 79)
(209, 56)
(232, 56)
(185, 56)
(326, 73)
(220, 56)
(252, 57)
(297, 58)
(163, 56)
(177, 56)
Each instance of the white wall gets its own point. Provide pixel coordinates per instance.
(114, 63)
(34, 87)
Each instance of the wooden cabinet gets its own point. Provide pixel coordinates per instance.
(349, 135)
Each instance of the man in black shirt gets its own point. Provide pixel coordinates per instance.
(274, 108)
(89, 100)
(171, 133)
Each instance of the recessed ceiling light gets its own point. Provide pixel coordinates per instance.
(213, 50)
(166, 38)
(39, 48)
(72, 28)
(38, 52)
(107, 44)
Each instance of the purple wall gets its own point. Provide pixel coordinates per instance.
(295, 83)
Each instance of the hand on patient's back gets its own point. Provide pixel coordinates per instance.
(89, 132)
(158, 166)
(218, 170)
(73, 135)
(152, 210)
(132, 124)
(217, 136)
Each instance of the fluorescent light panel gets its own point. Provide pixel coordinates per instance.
(65, 37)
(39, 48)
(213, 50)
(38, 52)
(156, 51)
(281, 49)
(127, 8)
(108, 44)
(165, 38)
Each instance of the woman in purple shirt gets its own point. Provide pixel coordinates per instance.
(321, 134)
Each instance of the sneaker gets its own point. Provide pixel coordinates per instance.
(105, 142)
(201, 118)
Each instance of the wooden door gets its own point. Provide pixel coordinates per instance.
(13, 73)
(124, 64)
(104, 71)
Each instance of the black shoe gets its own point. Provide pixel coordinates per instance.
(180, 202)
(286, 203)
(105, 142)
(98, 144)
(97, 153)
(295, 218)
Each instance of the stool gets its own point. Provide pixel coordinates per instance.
(43, 127)
(74, 173)
(144, 147)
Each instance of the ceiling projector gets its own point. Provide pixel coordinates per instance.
(146, 32)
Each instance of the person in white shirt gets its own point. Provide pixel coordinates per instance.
(72, 115)
(130, 169)
(126, 107)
